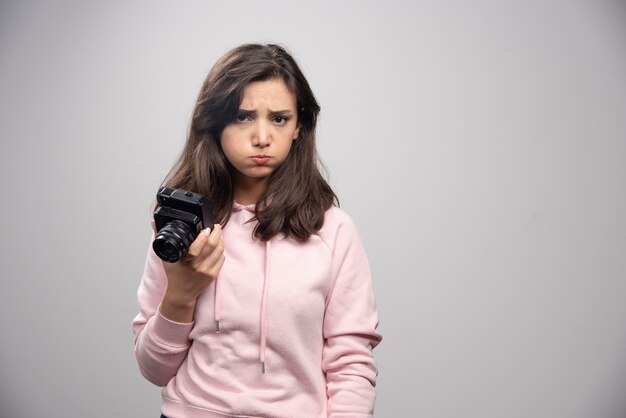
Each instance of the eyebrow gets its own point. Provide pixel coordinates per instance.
(272, 112)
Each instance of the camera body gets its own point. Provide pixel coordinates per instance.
(179, 218)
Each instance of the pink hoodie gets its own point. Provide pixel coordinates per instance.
(286, 330)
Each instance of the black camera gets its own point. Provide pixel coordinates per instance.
(180, 217)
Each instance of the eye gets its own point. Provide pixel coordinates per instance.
(281, 120)
(243, 117)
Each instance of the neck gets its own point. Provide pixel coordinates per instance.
(249, 192)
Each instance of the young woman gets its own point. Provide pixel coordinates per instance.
(271, 312)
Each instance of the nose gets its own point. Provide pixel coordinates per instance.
(262, 136)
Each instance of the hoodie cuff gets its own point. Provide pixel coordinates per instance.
(171, 333)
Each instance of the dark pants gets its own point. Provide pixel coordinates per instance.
(163, 416)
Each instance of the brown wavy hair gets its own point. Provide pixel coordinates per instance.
(297, 195)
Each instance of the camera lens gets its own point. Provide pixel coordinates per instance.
(173, 240)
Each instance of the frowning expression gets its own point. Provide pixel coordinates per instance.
(258, 141)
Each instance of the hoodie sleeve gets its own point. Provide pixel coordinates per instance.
(350, 324)
(161, 345)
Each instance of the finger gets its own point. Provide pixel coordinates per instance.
(217, 266)
(212, 256)
(214, 236)
(206, 240)
(198, 244)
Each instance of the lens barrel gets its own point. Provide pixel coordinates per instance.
(173, 240)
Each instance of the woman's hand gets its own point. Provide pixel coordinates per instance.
(190, 276)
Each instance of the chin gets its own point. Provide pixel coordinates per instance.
(260, 172)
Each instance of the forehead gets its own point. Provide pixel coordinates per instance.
(272, 93)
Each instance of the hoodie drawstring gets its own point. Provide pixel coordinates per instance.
(263, 319)
(263, 325)
(217, 305)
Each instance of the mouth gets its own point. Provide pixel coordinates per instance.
(260, 159)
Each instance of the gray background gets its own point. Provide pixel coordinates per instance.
(479, 145)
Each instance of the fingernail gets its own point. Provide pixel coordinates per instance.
(207, 231)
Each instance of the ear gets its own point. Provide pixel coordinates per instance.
(297, 133)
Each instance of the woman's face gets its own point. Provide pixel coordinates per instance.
(259, 139)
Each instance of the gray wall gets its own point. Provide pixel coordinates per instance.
(479, 145)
